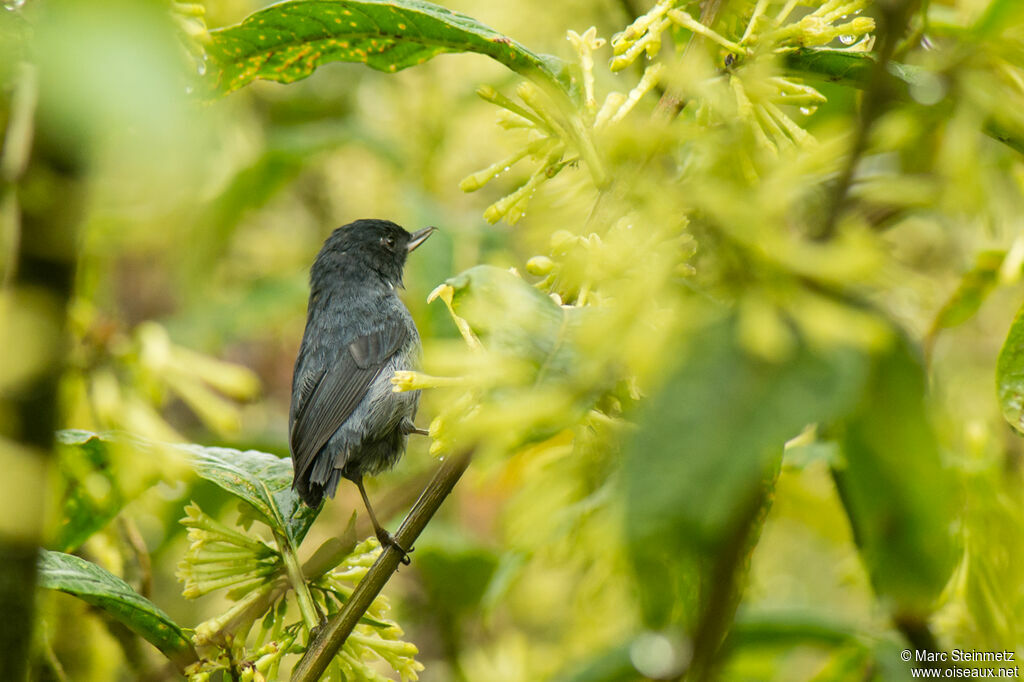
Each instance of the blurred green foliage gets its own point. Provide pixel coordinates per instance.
(737, 352)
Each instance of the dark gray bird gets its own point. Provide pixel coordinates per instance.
(345, 420)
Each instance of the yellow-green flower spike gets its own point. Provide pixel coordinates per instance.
(683, 19)
(472, 183)
(491, 95)
(641, 26)
(649, 44)
(585, 45)
(504, 206)
(650, 78)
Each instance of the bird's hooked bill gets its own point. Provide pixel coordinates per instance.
(420, 236)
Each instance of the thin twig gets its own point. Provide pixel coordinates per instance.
(50, 657)
(893, 19)
(671, 102)
(137, 544)
(331, 638)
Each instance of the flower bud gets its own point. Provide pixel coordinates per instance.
(539, 265)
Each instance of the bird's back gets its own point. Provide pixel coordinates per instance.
(345, 420)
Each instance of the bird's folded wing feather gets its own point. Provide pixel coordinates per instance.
(327, 399)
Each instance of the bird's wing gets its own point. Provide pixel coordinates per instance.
(327, 399)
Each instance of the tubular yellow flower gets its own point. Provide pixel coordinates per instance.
(684, 19)
(585, 45)
(446, 292)
(415, 381)
(539, 265)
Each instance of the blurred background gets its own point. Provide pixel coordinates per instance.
(197, 221)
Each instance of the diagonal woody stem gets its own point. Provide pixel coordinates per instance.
(331, 638)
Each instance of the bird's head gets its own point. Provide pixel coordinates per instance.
(366, 247)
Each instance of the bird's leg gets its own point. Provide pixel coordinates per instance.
(408, 427)
(386, 539)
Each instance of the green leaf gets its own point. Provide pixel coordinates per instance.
(704, 447)
(288, 41)
(514, 317)
(96, 586)
(840, 66)
(98, 476)
(259, 478)
(843, 66)
(974, 288)
(1010, 374)
(537, 342)
(899, 495)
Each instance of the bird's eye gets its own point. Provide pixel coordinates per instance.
(388, 242)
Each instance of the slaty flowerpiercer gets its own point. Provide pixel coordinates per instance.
(345, 420)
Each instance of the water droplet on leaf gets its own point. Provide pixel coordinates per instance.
(847, 39)
(928, 88)
(807, 111)
(201, 67)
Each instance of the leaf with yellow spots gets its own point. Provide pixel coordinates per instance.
(288, 41)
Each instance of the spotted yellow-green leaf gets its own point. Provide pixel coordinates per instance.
(260, 479)
(288, 41)
(100, 588)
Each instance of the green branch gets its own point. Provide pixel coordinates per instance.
(310, 614)
(331, 638)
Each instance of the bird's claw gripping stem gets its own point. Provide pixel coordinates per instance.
(386, 539)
